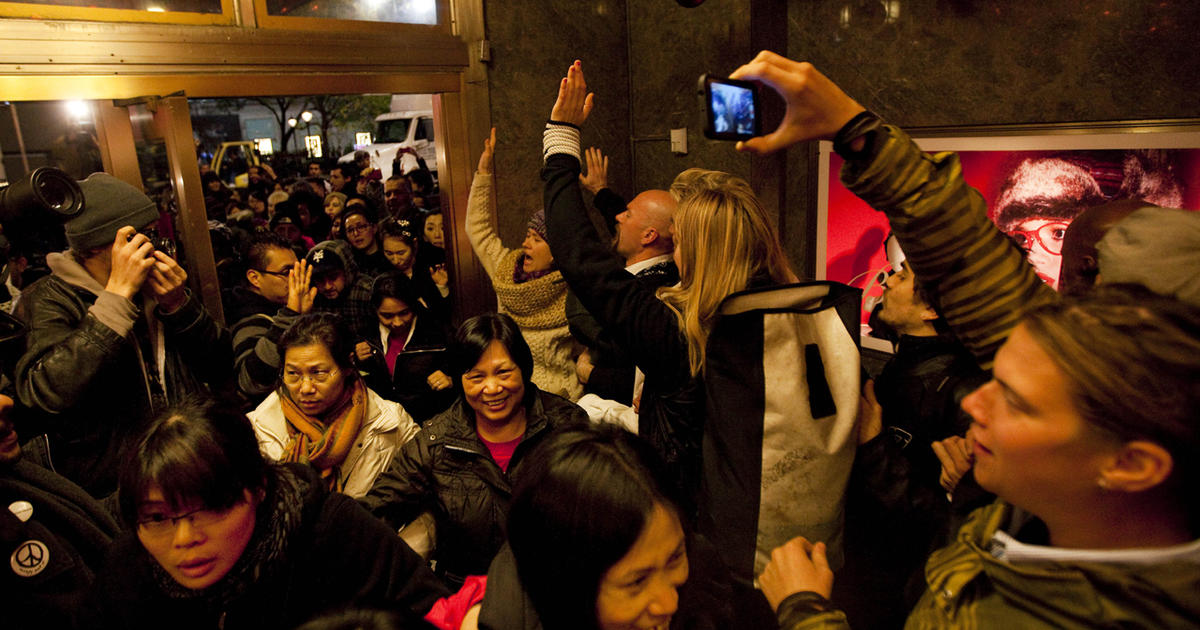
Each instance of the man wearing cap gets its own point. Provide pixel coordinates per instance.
(114, 335)
(340, 287)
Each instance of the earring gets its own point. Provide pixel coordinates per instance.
(1103, 483)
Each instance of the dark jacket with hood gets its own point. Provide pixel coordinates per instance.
(312, 551)
(353, 304)
(91, 369)
(55, 552)
(446, 468)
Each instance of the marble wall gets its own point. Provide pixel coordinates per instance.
(973, 62)
(919, 63)
(669, 48)
(940, 63)
(532, 44)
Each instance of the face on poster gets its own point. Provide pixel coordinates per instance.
(1032, 195)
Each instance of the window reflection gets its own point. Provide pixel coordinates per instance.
(401, 11)
(154, 6)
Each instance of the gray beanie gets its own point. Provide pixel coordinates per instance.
(109, 205)
(1158, 248)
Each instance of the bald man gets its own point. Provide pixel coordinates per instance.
(643, 230)
(642, 238)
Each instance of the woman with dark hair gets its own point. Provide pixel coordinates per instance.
(358, 229)
(223, 539)
(1088, 435)
(404, 357)
(597, 541)
(463, 462)
(528, 283)
(323, 414)
(403, 250)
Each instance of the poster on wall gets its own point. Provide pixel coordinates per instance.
(1034, 186)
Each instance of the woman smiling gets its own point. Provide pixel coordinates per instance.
(463, 462)
(528, 284)
(596, 541)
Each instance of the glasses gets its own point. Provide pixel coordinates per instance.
(355, 229)
(1049, 236)
(318, 377)
(282, 273)
(162, 525)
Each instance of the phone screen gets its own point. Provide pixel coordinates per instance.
(732, 109)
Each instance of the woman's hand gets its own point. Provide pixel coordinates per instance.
(816, 107)
(795, 567)
(870, 414)
(439, 381)
(485, 158)
(597, 171)
(363, 351)
(574, 101)
(165, 283)
(955, 453)
(439, 275)
(301, 293)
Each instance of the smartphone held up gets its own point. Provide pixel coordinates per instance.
(731, 108)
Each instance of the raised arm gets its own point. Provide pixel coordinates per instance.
(983, 282)
(625, 308)
(481, 229)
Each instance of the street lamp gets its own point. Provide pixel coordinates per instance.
(307, 117)
(292, 123)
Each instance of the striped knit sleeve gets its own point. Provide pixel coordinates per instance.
(983, 283)
(255, 354)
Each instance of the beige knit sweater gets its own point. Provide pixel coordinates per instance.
(537, 305)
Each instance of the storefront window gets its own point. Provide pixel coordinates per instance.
(397, 11)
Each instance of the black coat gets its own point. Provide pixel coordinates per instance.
(424, 354)
(93, 387)
(672, 407)
(57, 550)
(337, 556)
(448, 470)
(897, 512)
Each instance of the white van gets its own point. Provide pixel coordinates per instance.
(393, 130)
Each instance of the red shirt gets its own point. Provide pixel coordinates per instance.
(502, 451)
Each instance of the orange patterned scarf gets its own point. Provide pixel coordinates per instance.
(323, 445)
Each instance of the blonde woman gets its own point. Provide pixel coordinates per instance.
(725, 244)
(528, 285)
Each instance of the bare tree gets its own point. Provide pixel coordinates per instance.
(279, 106)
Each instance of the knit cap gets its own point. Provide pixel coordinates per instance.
(537, 223)
(1158, 248)
(1050, 188)
(109, 205)
(331, 256)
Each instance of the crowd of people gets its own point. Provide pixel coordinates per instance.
(667, 428)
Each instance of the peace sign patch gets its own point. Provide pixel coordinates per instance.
(30, 558)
